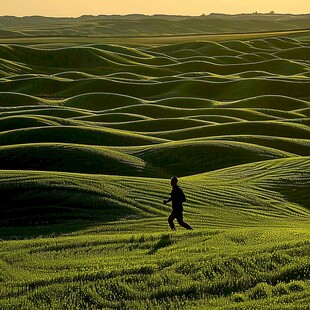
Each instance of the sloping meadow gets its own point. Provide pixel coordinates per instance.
(89, 137)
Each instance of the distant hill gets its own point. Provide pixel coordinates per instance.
(144, 25)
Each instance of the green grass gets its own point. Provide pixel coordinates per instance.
(254, 191)
(155, 270)
(177, 158)
(77, 135)
(268, 128)
(91, 130)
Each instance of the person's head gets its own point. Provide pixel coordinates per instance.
(174, 181)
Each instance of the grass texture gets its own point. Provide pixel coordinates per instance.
(91, 134)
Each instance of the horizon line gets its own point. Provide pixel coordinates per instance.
(157, 14)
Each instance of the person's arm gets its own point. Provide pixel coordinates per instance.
(167, 200)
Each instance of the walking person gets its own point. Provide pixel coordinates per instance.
(177, 197)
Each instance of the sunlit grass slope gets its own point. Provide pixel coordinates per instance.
(266, 192)
(91, 134)
(213, 269)
(260, 258)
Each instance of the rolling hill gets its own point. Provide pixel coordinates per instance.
(141, 25)
(90, 135)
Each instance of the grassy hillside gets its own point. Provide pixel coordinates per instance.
(141, 25)
(90, 136)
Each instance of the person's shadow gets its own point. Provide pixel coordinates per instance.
(163, 242)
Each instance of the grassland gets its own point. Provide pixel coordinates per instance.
(143, 25)
(90, 135)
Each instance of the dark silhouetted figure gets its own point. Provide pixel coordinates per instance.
(177, 198)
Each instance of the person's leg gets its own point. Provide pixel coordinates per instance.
(170, 221)
(182, 223)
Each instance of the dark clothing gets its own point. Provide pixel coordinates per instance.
(177, 198)
(179, 216)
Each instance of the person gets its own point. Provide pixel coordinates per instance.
(177, 197)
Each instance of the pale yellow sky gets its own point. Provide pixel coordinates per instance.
(182, 7)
